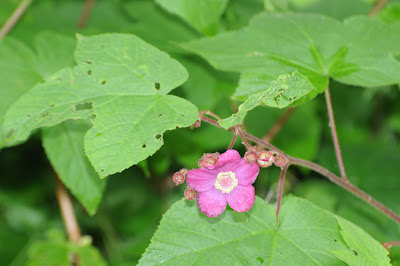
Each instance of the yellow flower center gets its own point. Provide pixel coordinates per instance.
(226, 182)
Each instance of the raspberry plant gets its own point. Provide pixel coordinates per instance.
(107, 106)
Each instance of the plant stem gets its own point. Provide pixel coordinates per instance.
(334, 134)
(280, 190)
(378, 6)
(319, 169)
(87, 9)
(243, 138)
(278, 125)
(15, 16)
(388, 245)
(235, 135)
(67, 212)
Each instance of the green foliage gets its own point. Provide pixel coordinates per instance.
(132, 126)
(57, 251)
(305, 234)
(201, 15)
(281, 93)
(324, 47)
(64, 149)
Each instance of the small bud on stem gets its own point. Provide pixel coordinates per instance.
(179, 177)
(251, 155)
(209, 160)
(280, 160)
(190, 194)
(265, 159)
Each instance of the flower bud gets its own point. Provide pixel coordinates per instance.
(190, 194)
(265, 159)
(280, 160)
(209, 160)
(179, 177)
(251, 155)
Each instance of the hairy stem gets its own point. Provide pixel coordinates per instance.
(319, 169)
(378, 6)
(334, 134)
(15, 16)
(87, 9)
(67, 212)
(243, 138)
(280, 190)
(277, 126)
(235, 135)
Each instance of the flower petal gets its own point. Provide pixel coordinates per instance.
(201, 179)
(241, 198)
(227, 157)
(245, 173)
(211, 202)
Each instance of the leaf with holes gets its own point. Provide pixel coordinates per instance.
(306, 234)
(359, 51)
(202, 15)
(129, 102)
(281, 93)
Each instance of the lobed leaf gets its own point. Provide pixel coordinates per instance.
(358, 51)
(306, 235)
(129, 102)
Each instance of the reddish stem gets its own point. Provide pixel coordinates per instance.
(334, 134)
(388, 245)
(235, 135)
(378, 6)
(280, 190)
(243, 138)
(15, 16)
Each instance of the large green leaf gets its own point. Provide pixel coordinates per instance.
(358, 51)
(123, 82)
(202, 15)
(63, 145)
(306, 235)
(281, 93)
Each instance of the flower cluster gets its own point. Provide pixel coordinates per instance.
(226, 179)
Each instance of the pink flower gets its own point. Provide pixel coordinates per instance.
(230, 181)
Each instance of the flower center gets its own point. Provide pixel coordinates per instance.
(226, 182)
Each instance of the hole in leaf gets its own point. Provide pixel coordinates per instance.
(160, 115)
(89, 72)
(89, 62)
(144, 146)
(83, 106)
(28, 115)
(213, 229)
(103, 82)
(260, 260)
(158, 136)
(183, 115)
(157, 85)
(52, 105)
(355, 252)
(335, 240)
(99, 134)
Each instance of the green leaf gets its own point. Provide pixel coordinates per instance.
(63, 145)
(306, 234)
(201, 15)
(364, 250)
(280, 93)
(55, 250)
(316, 46)
(21, 68)
(129, 101)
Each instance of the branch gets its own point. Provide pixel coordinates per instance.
(67, 212)
(280, 190)
(319, 169)
(87, 9)
(235, 135)
(334, 134)
(15, 16)
(278, 125)
(378, 6)
(388, 245)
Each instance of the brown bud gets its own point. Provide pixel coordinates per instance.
(265, 159)
(179, 177)
(251, 155)
(209, 160)
(190, 194)
(280, 160)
